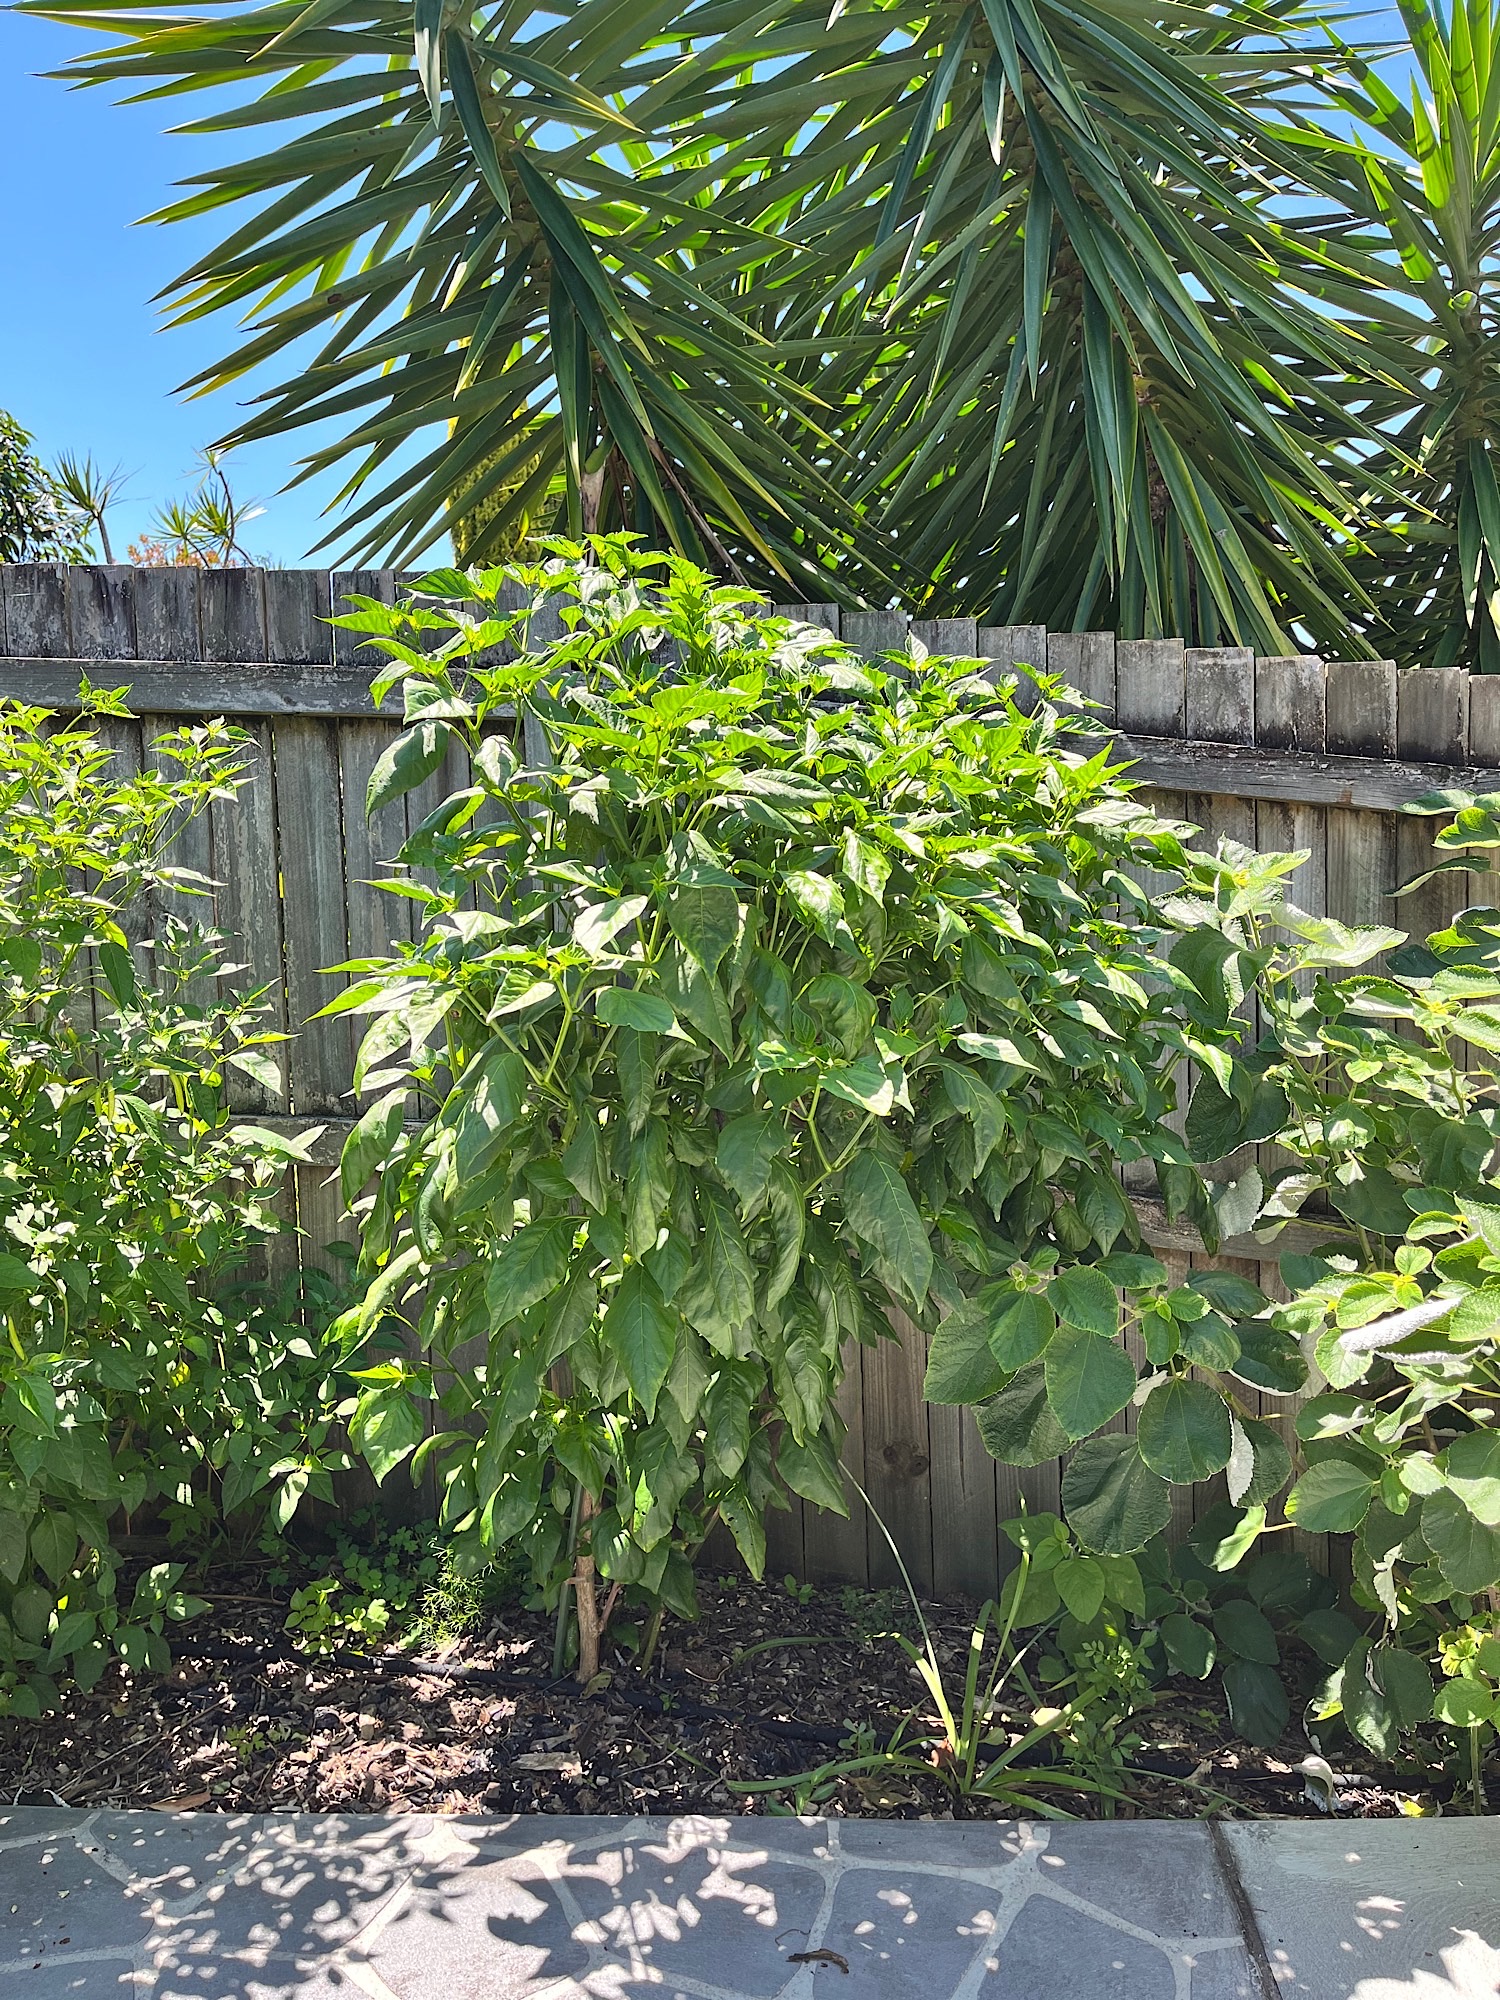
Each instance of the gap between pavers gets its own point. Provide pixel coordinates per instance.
(150, 1906)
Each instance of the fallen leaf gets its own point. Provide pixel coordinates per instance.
(189, 1802)
(549, 1760)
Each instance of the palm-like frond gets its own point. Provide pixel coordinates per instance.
(1004, 306)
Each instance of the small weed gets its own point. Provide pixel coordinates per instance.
(404, 1585)
(799, 1593)
(875, 1614)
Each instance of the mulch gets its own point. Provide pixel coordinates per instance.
(768, 1684)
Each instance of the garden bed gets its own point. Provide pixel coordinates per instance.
(767, 1685)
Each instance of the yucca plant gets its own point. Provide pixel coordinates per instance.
(1405, 250)
(1007, 307)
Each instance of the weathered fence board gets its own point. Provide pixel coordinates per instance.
(1276, 752)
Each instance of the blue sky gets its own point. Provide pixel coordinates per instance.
(84, 365)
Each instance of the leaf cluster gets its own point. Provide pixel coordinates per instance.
(142, 1385)
(759, 990)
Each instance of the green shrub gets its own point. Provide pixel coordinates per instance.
(138, 1389)
(759, 989)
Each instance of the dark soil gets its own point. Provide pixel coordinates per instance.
(765, 1686)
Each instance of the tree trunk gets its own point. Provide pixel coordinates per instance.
(587, 1602)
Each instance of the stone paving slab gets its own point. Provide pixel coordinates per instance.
(1377, 1909)
(151, 1906)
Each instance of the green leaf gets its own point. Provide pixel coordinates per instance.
(1268, 1359)
(1465, 1704)
(1246, 1632)
(1189, 1646)
(648, 1187)
(1407, 1685)
(1471, 1466)
(1331, 1497)
(879, 1211)
(811, 1470)
(1259, 1463)
(13, 1540)
(960, 1366)
(624, 1007)
(386, 1427)
(16, 1276)
(1231, 1293)
(745, 1523)
(1088, 1381)
(54, 1541)
(527, 1268)
(1083, 1297)
(490, 1111)
(1114, 1502)
(1467, 1550)
(404, 764)
(1022, 1325)
(1183, 1431)
(1258, 1705)
(1080, 1585)
(641, 1333)
(1329, 1633)
(119, 970)
(747, 1146)
(726, 1260)
(817, 900)
(601, 923)
(1018, 1426)
(704, 913)
(369, 1145)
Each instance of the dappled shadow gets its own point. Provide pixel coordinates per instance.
(304, 1907)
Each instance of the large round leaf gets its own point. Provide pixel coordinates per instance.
(1088, 1380)
(1472, 1466)
(1083, 1297)
(960, 1366)
(1258, 1707)
(1259, 1463)
(1017, 1426)
(1113, 1500)
(1331, 1497)
(1020, 1328)
(1468, 1552)
(1184, 1431)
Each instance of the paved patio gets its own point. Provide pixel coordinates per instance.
(161, 1906)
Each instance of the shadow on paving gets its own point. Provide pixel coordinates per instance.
(305, 1907)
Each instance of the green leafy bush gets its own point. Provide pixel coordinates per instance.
(138, 1390)
(759, 989)
(1381, 1093)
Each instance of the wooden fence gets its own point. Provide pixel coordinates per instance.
(1276, 753)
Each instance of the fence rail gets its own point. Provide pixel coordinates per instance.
(1289, 753)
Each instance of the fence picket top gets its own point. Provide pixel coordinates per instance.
(872, 633)
(232, 614)
(348, 647)
(1432, 714)
(298, 605)
(1484, 719)
(1086, 661)
(166, 614)
(1014, 645)
(1290, 702)
(1361, 707)
(955, 637)
(35, 606)
(101, 612)
(826, 615)
(1151, 686)
(1219, 704)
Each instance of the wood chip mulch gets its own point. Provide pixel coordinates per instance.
(765, 1686)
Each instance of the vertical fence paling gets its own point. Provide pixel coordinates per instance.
(294, 860)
